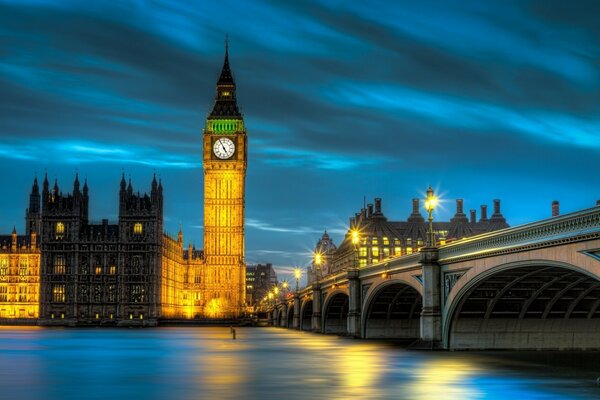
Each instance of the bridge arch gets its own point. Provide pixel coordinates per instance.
(290, 316)
(306, 313)
(335, 312)
(534, 304)
(392, 310)
(279, 316)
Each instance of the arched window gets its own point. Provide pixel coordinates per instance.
(137, 228)
(60, 230)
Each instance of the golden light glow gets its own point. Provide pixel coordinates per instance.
(215, 307)
(138, 228)
(275, 290)
(355, 236)
(60, 228)
(443, 379)
(318, 258)
(270, 295)
(430, 201)
(285, 284)
(19, 282)
(297, 273)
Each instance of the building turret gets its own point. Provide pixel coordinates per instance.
(33, 213)
(459, 224)
(497, 220)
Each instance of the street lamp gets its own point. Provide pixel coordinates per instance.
(430, 203)
(297, 275)
(285, 284)
(318, 260)
(355, 239)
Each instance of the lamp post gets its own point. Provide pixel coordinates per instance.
(430, 203)
(297, 275)
(318, 261)
(355, 238)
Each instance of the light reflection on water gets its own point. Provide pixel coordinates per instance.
(270, 363)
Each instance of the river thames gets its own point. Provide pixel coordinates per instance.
(271, 363)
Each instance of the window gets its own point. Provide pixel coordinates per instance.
(375, 241)
(386, 251)
(22, 293)
(60, 230)
(419, 242)
(137, 294)
(362, 252)
(58, 293)
(112, 293)
(137, 228)
(362, 263)
(397, 250)
(98, 270)
(137, 264)
(59, 265)
(23, 264)
(97, 294)
(375, 252)
(409, 250)
(3, 293)
(442, 241)
(112, 270)
(3, 267)
(386, 241)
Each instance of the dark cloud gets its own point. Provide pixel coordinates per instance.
(483, 100)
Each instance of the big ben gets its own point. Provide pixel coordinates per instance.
(225, 160)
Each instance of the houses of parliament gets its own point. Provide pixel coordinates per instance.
(67, 270)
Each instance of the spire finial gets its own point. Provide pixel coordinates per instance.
(226, 44)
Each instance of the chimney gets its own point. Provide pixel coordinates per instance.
(473, 216)
(377, 205)
(369, 210)
(363, 213)
(496, 206)
(459, 206)
(555, 208)
(415, 206)
(483, 213)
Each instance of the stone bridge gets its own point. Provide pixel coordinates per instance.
(534, 286)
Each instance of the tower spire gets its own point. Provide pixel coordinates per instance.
(225, 103)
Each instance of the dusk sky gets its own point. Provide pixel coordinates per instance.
(341, 99)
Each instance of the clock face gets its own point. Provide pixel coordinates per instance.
(223, 148)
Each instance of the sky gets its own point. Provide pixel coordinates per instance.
(343, 101)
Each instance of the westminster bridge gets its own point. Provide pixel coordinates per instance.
(534, 286)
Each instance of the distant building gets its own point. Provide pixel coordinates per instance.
(381, 239)
(19, 276)
(260, 278)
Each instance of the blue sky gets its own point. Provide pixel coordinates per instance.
(342, 100)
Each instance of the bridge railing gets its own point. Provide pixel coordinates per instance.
(573, 226)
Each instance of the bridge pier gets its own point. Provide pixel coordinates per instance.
(431, 318)
(316, 317)
(296, 321)
(283, 319)
(354, 295)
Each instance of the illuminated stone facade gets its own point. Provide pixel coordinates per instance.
(68, 270)
(19, 276)
(224, 157)
(381, 239)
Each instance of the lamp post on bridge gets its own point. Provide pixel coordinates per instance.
(353, 325)
(431, 321)
(296, 320)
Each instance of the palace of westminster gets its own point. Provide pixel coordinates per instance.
(66, 270)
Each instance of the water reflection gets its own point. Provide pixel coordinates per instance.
(270, 363)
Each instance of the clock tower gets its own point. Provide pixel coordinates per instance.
(224, 160)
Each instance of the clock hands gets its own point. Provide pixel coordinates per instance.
(223, 146)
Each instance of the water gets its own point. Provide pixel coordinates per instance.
(271, 363)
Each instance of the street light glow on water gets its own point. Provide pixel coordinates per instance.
(271, 363)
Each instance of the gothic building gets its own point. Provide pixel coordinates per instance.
(19, 276)
(68, 270)
(381, 239)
